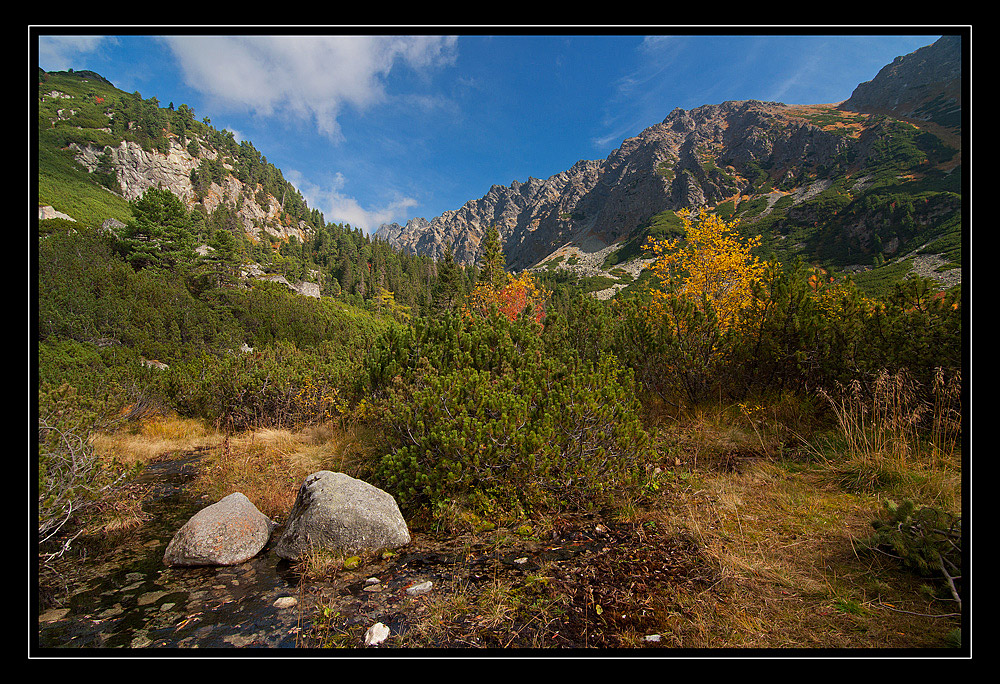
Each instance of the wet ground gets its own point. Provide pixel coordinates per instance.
(553, 581)
(126, 597)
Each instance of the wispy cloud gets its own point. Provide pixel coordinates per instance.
(803, 75)
(59, 53)
(340, 208)
(311, 78)
(638, 94)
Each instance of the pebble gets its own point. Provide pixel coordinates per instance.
(376, 634)
(285, 602)
(53, 615)
(418, 589)
(150, 597)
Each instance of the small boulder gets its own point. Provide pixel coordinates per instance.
(228, 532)
(339, 513)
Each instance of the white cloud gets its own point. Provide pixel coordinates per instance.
(58, 53)
(307, 77)
(339, 208)
(638, 94)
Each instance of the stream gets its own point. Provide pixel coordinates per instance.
(132, 600)
(126, 598)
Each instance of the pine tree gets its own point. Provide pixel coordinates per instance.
(448, 287)
(226, 256)
(494, 263)
(159, 233)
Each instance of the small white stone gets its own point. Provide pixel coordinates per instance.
(651, 637)
(285, 602)
(376, 634)
(418, 589)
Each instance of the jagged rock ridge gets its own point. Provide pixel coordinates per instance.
(690, 159)
(696, 158)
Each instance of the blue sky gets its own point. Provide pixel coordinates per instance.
(379, 128)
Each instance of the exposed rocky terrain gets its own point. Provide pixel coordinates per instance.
(924, 85)
(138, 170)
(688, 160)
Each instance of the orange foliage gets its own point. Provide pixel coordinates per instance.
(511, 299)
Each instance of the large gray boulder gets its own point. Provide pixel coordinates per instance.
(339, 513)
(228, 532)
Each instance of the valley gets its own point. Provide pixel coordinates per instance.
(707, 396)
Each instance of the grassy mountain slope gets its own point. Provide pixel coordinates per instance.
(889, 207)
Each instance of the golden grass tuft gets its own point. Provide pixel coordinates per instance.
(896, 439)
(154, 438)
(269, 464)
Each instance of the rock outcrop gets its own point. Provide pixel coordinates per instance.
(339, 513)
(48, 212)
(138, 170)
(691, 159)
(227, 532)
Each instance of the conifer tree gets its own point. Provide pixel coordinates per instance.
(448, 287)
(159, 233)
(494, 270)
(226, 256)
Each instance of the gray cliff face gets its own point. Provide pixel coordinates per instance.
(691, 159)
(138, 170)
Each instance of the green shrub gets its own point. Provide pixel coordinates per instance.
(803, 331)
(277, 385)
(484, 413)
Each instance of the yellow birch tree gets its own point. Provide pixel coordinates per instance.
(710, 263)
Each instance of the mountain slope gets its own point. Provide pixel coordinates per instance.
(92, 134)
(846, 186)
(100, 148)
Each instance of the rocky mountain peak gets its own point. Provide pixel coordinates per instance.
(694, 158)
(925, 85)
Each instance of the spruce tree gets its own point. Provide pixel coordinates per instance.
(448, 287)
(494, 263)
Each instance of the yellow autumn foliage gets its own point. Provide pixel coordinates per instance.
(711, 262)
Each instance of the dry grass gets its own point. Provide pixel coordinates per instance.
(153, 439)
(268, 465)
(784, 532)
(149, 440)
(896, 439)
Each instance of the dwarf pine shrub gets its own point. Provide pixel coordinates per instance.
(927, 540)
(485, 414)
